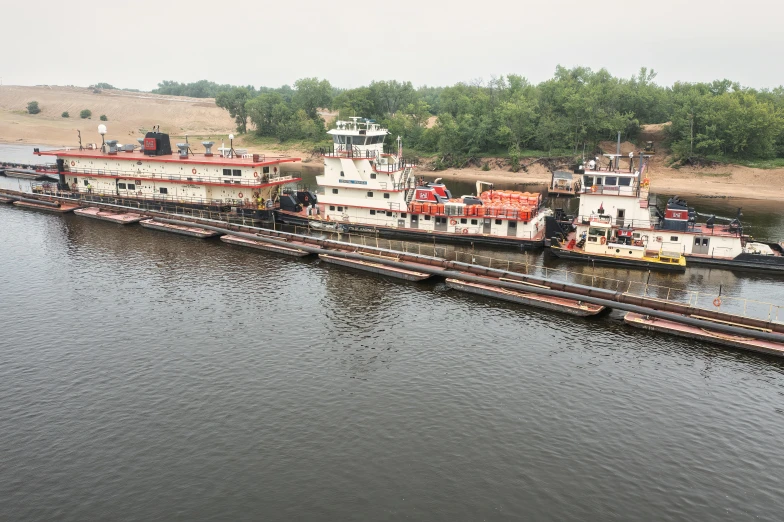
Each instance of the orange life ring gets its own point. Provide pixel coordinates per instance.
(465, 231)
(255, 174)
(239, 195)
(453, 222)
(73, 163)
(717, 301)
(193, 171)
(603, 240)
(658, 239)
(594, 188)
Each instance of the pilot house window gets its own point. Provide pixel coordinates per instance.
(236, 172)
(121, 186)
(265, 170)
(334, 191)
(227, 172)
(163, 190)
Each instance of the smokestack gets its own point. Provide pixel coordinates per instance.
(183, 150)
(208, 147)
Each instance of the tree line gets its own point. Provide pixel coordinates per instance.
(568, 114)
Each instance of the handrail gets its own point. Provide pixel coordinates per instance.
(180, 178)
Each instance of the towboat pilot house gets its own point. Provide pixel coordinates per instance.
(151, 171)
(366, 188)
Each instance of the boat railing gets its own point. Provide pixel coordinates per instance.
(705, 298)
(183, 178)
(138, 201)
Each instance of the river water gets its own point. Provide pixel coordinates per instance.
(146, 376)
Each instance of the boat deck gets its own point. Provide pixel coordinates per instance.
(260, 245)
(692, 332)
(193, 231)
(123, 218)
(62, 209)
(558, 304)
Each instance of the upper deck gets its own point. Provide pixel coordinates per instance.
(246, 160)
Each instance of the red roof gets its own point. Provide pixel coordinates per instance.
(198, 159)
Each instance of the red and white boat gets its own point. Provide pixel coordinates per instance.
(365, 189)
(152, 172)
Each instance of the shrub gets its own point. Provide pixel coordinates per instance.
(486, 166)
(33, 108)
(104, 118)
(86, 113)
(65, 115)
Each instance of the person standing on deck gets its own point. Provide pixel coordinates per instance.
(631, 161)
(592, 165)
(89, 188)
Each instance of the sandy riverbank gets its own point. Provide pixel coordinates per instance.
(129, 114)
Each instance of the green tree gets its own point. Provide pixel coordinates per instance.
(104, 118)
(32, 107)
(312, 94)
(65, 114)
(234, 101)
(85, 113)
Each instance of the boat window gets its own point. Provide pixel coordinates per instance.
(370, 194)
(334, 191)
(121, 186)
(403, 215)
(673, 238)
(340, 140)
(512, 224)
(427, 218)
(236, 172)
(595, 231)
(704, 242)
(389, 214)
(498, 221)
(372, 212)
(696, 241)
(265, 170)
(386, 195)
(358, 140)
(227, 172)
(332, 207)
(163, 190)
(373, 175)
(611, 180)
(463, 221)
(598, 180)
(624, 182)
(340, 209)
(473, 222)
(131, 186)
(587, 181)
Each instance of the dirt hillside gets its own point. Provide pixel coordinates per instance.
(127, 113)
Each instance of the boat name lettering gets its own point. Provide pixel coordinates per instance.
(352, 181)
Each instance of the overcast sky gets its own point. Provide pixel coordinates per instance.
(139, 43)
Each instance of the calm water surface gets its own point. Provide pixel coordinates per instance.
(145, 376)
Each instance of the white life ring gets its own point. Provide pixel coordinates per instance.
(453, 222)
(255, 174)
(465, 231)
(193, 171)
(73, 163)
(239, 195)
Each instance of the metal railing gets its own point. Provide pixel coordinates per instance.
(701, 228)
(181, 178)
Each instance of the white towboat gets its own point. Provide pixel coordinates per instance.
(365, 189)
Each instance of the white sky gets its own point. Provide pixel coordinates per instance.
(139, 43)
